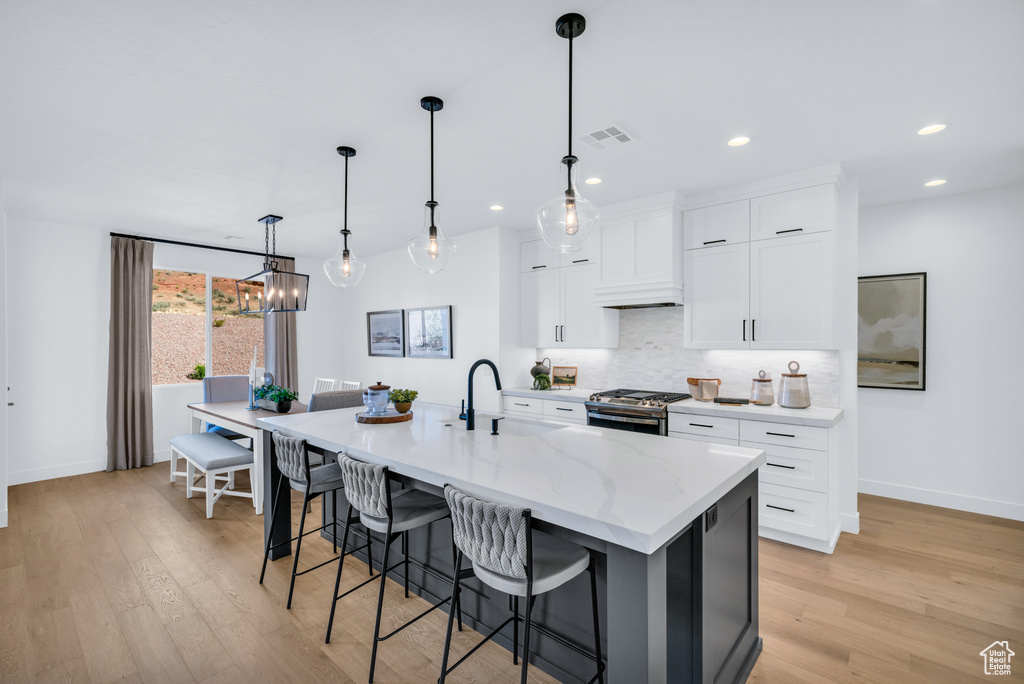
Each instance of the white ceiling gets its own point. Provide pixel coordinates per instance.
(191, 119)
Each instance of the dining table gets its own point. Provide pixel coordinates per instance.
(238, 417)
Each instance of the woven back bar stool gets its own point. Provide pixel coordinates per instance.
(294, 463)
(510, 556)
(368, 489)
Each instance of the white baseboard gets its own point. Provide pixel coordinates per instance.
(161, 455)
(822, 545)
(960, 502)
(850, 522)
(16, 477)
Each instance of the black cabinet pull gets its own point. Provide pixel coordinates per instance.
(703, 426)
(779, 434)
(714, 242)
(753, 329)
(556, 333)
(559, 408)
(520, 404)
(780, 508)
(581, 261)
(779, 465)
(744, 329)
(562, 328)
(541, 266)
(791, 230)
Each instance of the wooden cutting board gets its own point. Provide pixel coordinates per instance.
(390, 417)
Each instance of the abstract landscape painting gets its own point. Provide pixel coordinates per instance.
(891, 331)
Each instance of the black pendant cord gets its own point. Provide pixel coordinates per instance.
(431, 156)
(344, 229)
(570, 95)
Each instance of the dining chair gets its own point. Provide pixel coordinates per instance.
(323, 385)
(350, 385)
(507, 554)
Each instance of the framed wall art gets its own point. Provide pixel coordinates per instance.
(891, 331)
(385, 333)
(429, 332)
(563, 376)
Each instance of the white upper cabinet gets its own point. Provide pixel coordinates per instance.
(807, 210)
(557, 310)
(721, 224)
(791, 292)
(715, 315)
(535, 255)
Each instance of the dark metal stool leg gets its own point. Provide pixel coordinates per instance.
(334, 521)
(337, 581)
(515, 630)
(273, 519)
(380, 600)
(526, 635)
(405, 563)
(298, 545)
(451, 618)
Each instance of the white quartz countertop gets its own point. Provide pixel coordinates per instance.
(813, 416)
(634, 490)
(574, 394)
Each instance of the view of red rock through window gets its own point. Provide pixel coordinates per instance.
(180, 327)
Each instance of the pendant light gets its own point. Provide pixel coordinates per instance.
(431, 251)
(277, 291)
(344, 269)
(567, 222)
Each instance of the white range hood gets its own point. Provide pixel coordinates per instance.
(642, 253)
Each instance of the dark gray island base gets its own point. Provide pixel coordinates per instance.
(685, 613)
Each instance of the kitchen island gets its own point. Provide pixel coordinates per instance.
(672, 522)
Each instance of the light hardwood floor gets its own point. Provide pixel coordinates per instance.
(117, 577)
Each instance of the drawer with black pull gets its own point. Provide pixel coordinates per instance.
(523, 405)
(793, 510)
(791, 467)
(569, 411)
(724, 430)
(799, 436)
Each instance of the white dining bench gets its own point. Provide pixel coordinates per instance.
(218, 459)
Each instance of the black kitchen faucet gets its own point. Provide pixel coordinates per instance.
(470, 413)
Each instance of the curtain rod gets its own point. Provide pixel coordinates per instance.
(194, 244)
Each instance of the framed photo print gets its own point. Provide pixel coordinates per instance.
(385, 333)
(891, 331)
(429, 332)
(563, 376)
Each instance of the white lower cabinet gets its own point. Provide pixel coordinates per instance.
(552, 409)
(796, 504)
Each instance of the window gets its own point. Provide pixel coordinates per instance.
(198, 330)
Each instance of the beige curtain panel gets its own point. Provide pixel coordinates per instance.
(130, 374)
(279, 337)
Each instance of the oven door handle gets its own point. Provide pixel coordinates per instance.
(623, 419)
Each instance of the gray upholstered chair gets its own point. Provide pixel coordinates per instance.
(293, 461)
(368, 489)
(337, 399)
(509, 555)
(225, 388)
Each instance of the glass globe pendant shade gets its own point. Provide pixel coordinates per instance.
(431, 251)
(344, 269)
(567, 222)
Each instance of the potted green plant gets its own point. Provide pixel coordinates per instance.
(542, 381)
(275, 398)
(402, 399)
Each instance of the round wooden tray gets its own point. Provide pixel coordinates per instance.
(391, 417)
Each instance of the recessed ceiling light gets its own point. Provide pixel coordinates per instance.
(933, 128)
(933, 183)
(592, 181)
(736, 142)
(496, 207)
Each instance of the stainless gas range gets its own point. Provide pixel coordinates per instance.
(633, 410)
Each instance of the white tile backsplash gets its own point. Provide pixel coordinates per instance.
(651, 356)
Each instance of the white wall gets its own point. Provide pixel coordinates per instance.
(334, 338)
(3, 358)
(58, 321)
(956, 444)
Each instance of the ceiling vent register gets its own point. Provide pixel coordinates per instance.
(612, 136)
